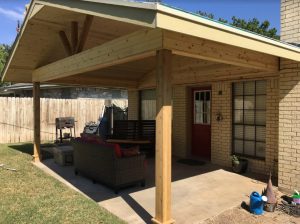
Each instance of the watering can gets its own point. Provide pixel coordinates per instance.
(257, 203)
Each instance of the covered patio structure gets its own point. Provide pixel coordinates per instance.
(137, 46)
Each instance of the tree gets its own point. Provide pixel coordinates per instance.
(253, 25)
(4, 52)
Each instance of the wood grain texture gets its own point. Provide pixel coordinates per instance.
(85, 32)
(16, 120)
(66, 43)
(163, 158)
(118, 51)
(74, 36)
(36, 123)
(193, 47)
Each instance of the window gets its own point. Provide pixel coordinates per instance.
(202, 107)
(148, 104)
(249, 118)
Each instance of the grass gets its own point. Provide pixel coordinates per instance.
(31, 196)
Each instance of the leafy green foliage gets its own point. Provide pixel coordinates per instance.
(253, 25)
(4, 52)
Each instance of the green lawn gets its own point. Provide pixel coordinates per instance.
(31, 196)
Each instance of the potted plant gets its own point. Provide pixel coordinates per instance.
(239, 165)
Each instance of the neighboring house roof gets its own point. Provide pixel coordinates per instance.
(27, 86)
(147, 15)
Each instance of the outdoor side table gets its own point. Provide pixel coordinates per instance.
(63, 155)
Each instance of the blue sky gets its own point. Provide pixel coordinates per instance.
(12, 10)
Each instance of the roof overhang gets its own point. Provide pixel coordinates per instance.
(139, 16)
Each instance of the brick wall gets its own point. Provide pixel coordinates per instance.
(290, 26)
(289, 126)
(180, 130)
(289, 106)
(133, 105)
(221, 148)
(222, 130)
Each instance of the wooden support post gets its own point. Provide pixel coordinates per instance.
(163, 156)
(36, 123)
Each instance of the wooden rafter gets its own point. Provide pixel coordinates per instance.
(84, 33)
(65, 41)
(76, 45)
(74, 36)
(121, 50)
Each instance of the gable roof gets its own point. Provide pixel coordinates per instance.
(140, 15)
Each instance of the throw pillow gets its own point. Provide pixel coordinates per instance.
(132, 151)
(118, 151)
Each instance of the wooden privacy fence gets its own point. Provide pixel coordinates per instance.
(16, 116)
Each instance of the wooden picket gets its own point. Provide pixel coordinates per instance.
(16, 116)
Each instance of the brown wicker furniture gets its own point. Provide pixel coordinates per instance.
(125, 141)
(100, 163)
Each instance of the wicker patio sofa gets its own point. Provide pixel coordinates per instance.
(100, 163)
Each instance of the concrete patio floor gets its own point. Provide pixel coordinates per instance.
(198, 192)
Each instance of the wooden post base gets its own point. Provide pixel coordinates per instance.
(36, 159)
(155, 221)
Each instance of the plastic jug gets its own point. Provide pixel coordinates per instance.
(256, 203)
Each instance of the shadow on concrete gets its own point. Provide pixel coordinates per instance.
(101, 193)
(133, 197)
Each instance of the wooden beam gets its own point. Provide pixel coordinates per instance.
(233, 74)
(198, 76)
(192, 25)
(65, 41)
(85, 80)
(193, 47)
(163, 159)
(36, 9)
(37, 157)
(74, 36)
(135, 46)
(85, 32)
(148, 81)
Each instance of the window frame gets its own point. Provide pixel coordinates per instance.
(243, 124)
(194, 107)
(140, 104)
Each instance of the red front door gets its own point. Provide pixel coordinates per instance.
(201, 128)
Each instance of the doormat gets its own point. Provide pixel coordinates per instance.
(191, 162)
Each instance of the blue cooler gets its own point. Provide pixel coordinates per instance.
(256, 203)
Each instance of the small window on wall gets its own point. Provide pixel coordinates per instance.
(148, 104)
(202, 107)
(249, 119)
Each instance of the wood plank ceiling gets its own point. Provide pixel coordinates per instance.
(41, 44)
